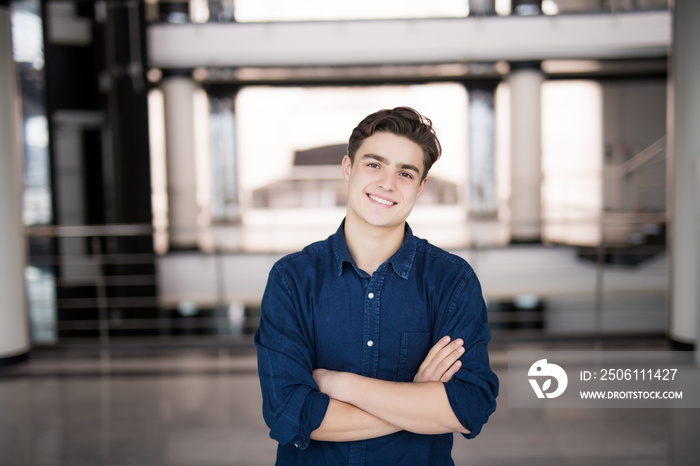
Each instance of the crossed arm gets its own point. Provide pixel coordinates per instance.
(362, 407)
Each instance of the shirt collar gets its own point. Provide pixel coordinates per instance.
(401, 261)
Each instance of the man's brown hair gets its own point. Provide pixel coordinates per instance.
(401, 121)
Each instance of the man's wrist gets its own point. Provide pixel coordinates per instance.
(345, 386)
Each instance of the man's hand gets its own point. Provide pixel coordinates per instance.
(442, 361)
(329, 382)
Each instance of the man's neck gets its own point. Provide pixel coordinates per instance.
(371, 246)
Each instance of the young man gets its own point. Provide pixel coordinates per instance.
(372, 343)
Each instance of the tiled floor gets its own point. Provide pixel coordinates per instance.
(202, 407)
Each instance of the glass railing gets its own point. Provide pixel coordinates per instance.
(88, 294)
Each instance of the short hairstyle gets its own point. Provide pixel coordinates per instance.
(401, 121)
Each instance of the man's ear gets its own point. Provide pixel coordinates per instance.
(421, 187)
(347, 166)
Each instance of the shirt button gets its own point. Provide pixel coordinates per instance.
(370, 343)
(370, 296)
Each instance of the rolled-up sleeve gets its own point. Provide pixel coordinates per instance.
(473, 390)
(293, 407)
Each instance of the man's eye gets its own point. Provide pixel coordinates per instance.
(372, 165)
(407, 175)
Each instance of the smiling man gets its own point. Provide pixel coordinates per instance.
(372, 346)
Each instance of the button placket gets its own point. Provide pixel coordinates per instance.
(370, 296)
(370, 357)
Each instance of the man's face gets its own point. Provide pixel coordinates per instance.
(384, 181)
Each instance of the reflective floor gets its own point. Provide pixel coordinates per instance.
(202, 407)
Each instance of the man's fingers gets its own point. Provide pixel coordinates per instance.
(439, 364)
(447, 376)
(445, 363)
(437, 347)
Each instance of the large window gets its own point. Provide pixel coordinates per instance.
(290, 142)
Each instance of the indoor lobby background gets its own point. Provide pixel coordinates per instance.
(157, 157)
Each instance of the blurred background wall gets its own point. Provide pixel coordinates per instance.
(171, 151)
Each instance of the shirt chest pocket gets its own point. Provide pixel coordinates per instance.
(414, 349)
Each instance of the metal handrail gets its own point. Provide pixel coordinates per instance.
(82, 231)
(645, 156)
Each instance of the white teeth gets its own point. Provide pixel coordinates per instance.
(380, 200)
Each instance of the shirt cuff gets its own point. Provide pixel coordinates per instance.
(312, 415)
(470, 405)
(302, 415)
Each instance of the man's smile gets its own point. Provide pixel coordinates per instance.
(381, 200)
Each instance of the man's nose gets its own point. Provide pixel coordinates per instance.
(388, 180)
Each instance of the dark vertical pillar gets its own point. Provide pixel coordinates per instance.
(129, 165)
(482, 143)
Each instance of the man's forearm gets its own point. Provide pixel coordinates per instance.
(344, 422)
(417, 407)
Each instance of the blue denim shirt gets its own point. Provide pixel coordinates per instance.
(319, 310)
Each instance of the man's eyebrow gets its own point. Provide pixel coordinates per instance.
(376, 157)
(408, 166)
(385, 161)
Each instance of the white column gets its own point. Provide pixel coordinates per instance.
(14, 328)
(525, 153)
(683, 183)
(178, 102)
